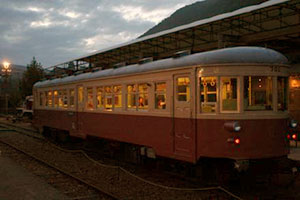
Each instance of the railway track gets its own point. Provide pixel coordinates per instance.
(139, 190)
(68, 183)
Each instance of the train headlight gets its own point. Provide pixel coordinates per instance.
(293, 123)
(232, 126)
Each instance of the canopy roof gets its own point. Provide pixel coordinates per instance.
(235, 55)
(274, 24)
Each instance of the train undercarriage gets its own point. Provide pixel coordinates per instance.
(207, 171)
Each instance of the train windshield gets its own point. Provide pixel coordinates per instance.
(252, 93)
(258, 93)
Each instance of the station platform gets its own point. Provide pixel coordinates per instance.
(16, 183)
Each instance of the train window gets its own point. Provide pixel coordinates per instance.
(183, 89)
(117, 96)
(229, 94)
(160, 95)
(131, 96)
(258, 93)
(143, 96)
(65, 98)
(80, 94)
(282, 87)
(49, 99)
(46, 99)
(72, 98)
(41, 98)
(55, 93)
(100, 97)
(60, 99)
(90, 99)
(208, 91)
(108, 98)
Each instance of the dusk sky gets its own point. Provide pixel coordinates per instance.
(55, 31)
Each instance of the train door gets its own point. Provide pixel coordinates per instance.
(183, 122)
(79, 107)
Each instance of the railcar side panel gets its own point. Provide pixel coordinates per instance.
(149, 131)
(261, 138)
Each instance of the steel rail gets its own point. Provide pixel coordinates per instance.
(62, 171)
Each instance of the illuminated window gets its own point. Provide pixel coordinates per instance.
(160, 95)
(80, 94)
(60, 99)
(72, 98)
(100, 97)
(229, 93)
(137, 96)
(294, 82)
(131, 96)
(208, 89)
(258, 93)
(49, 99)
(117, 96)
(90, 99)
(143, 96)
(65, 98)
(108, 100)
(183, 89)
(55, 93)
(282, 87)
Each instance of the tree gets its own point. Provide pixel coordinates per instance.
(33, 74)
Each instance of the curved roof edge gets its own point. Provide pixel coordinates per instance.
(234, 55)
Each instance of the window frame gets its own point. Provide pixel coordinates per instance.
(199, 91)
(165, 93)
(238, 98)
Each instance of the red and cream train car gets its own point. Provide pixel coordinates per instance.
(228, 103)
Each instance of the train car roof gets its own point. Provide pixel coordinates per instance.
(234, 55)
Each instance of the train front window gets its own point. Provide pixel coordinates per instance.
(160, 95)
(282, 87)
(258, 93)
(183, 89)
(208, 89)
(229, 94)
(90, 99)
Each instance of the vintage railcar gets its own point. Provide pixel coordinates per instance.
(229, 103)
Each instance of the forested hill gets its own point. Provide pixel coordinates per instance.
(200, 10)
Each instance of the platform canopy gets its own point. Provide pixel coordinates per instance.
(274, 24)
